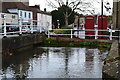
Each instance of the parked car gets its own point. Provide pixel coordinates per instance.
(41, 29)
(25, 30)
(34, 29)
(10, 28)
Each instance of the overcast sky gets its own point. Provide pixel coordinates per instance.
(43, 4)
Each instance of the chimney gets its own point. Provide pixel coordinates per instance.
(44, 9)
(37, 6)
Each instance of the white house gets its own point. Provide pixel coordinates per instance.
(21, 9)
(11, 19)
(44, 20)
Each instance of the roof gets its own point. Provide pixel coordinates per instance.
(43, 12)
(14, 5)
(36, 8)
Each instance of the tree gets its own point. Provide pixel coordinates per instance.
(81, 5)
(58, 15)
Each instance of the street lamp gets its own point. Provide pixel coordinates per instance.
(58, 24)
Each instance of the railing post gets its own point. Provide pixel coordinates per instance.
(110, 34)
(20, 25)
(31, 26)
(119, 36)
(40, 29)
(96, 33)
(48, 34)
(71, 34)
(5, 31)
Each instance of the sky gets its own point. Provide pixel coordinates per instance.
(43, 4)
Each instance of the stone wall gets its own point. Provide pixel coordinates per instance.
(112, 63)
(21, 41)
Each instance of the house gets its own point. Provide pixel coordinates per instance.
(26, 2)
(35, 9)
(11, 19)
(23, 11)
(44, 19)
(116, 15)
(41, 18)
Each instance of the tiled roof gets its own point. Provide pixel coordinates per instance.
(14, 5)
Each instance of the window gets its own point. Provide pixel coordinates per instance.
(20, 13)
(2, 15)
(25, 14)
(29, 15)
(13, 16)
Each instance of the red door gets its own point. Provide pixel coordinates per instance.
(102, 25)
(89, 25)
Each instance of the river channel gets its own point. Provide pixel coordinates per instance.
(55, 62)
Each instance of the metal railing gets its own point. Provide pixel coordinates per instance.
(95, 34)
(18, 23)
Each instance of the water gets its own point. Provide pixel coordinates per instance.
(49, 62)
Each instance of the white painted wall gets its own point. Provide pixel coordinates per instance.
(9, 18)
(44, 21)
(21, 13)
(26, 19)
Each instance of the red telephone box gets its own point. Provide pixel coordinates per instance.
(89, 24)
(102, 25)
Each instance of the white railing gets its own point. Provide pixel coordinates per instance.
(18, 23)
(95, 33)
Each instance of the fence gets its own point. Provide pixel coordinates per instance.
(71, 33)
(109, 36)
(18, 23)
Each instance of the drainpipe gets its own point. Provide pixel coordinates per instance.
(117, 14)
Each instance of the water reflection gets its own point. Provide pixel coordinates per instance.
(44, 62)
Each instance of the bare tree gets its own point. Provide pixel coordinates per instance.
(75, 5)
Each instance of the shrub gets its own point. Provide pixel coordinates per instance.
(67, 27)
(85, 44)
(71, 44)
(104, 46)
(62, 31)
(58, 31)
(50, 42)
